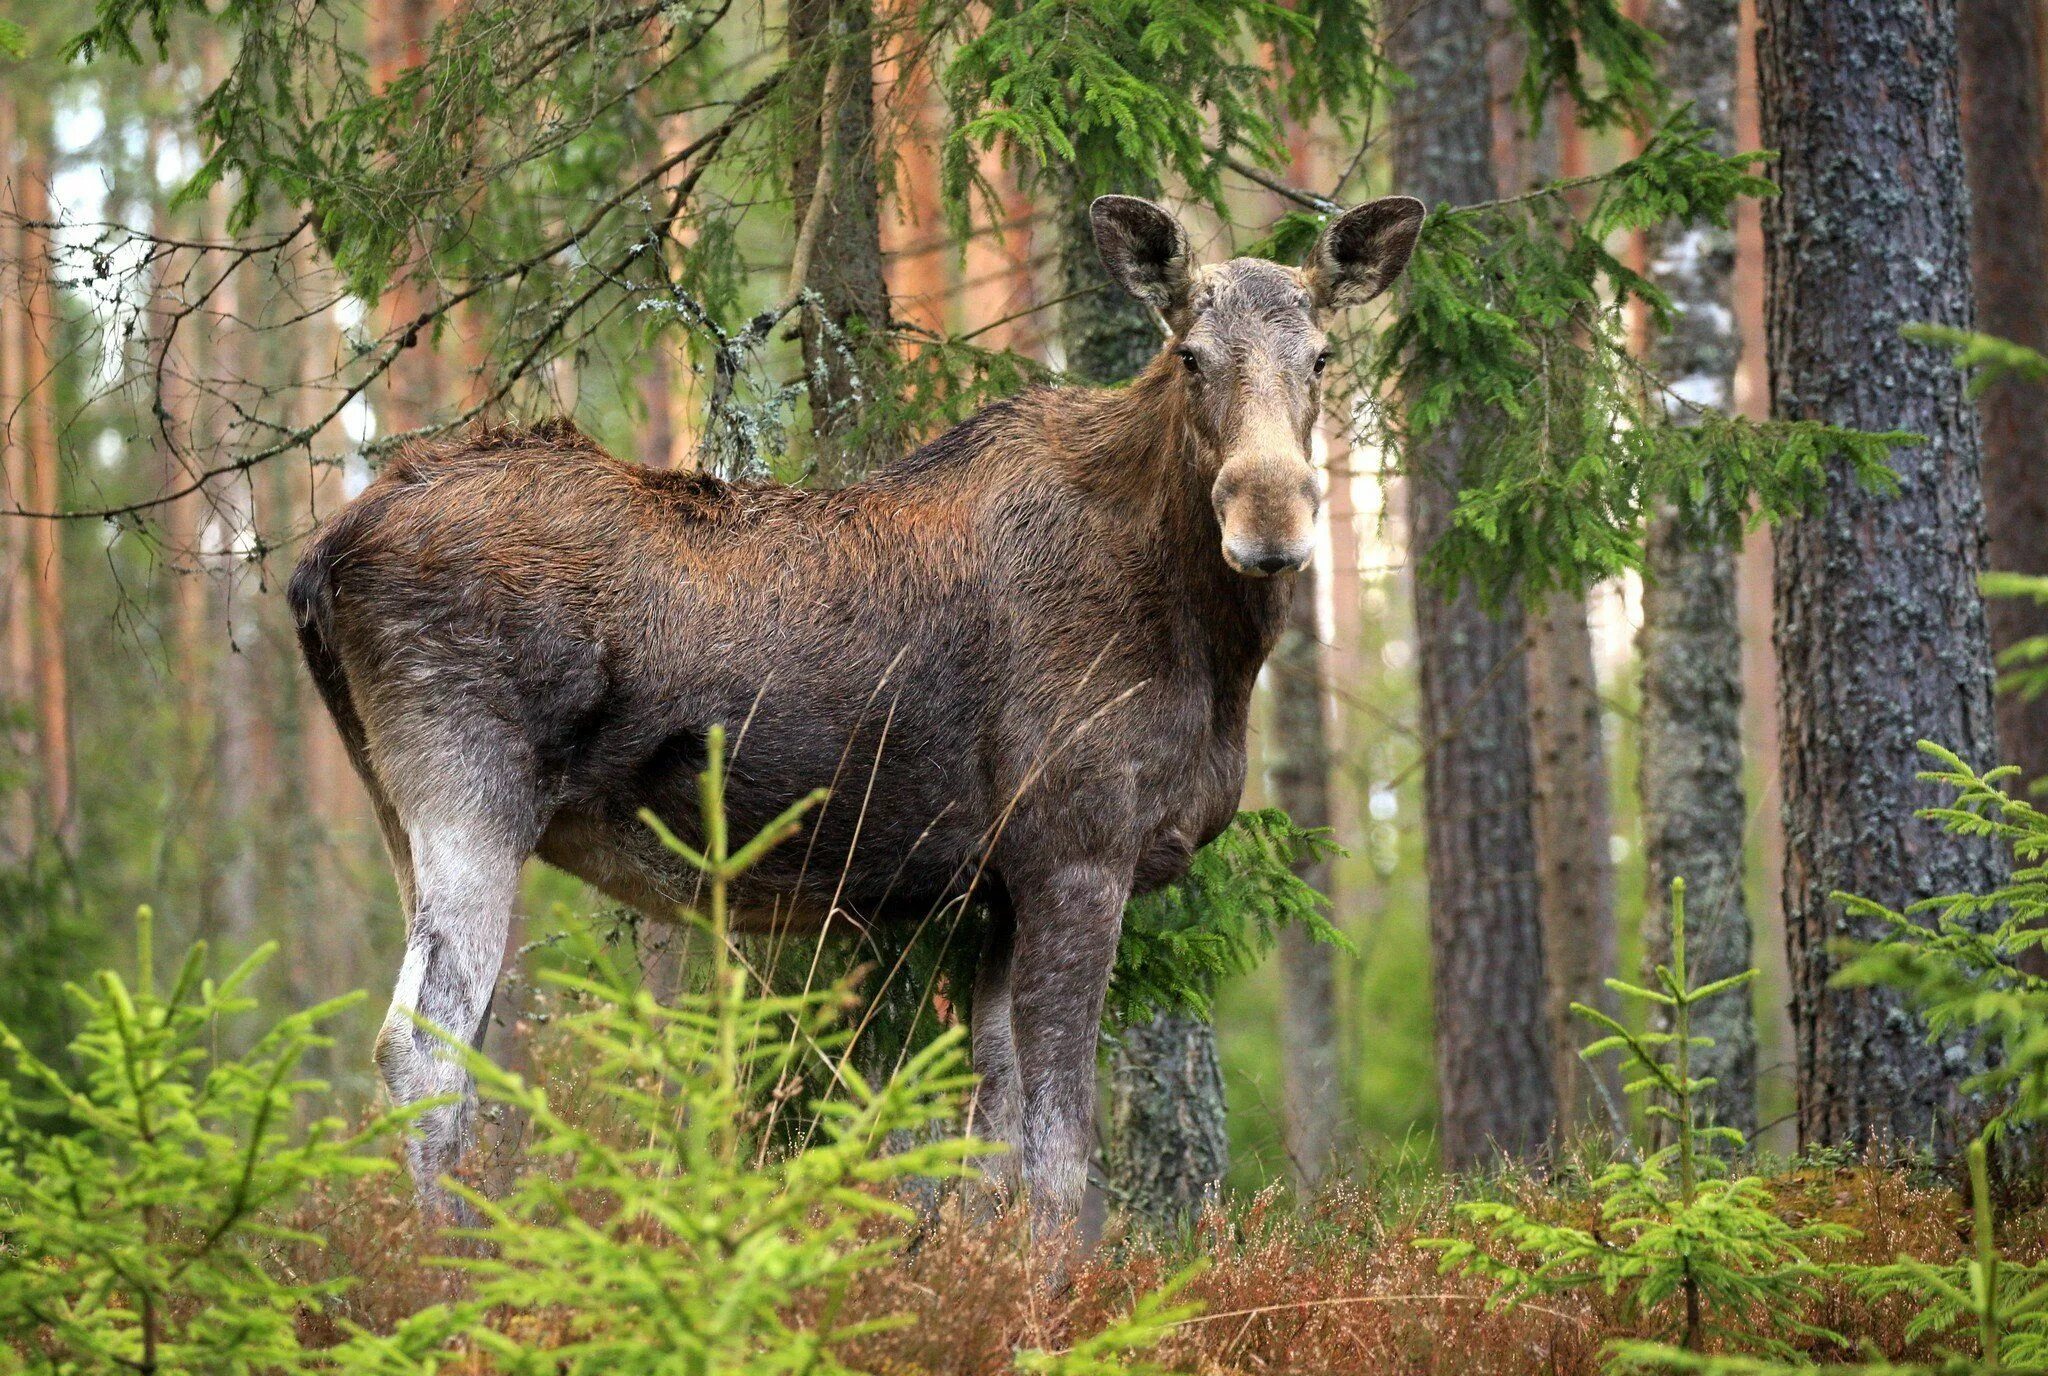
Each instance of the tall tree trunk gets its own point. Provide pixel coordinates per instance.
(831, 54)
(1571, 821)
(39, 322)
(1569, 810)
(1493, 1042)
(1167, 1143)
(1298, 764)
(17, 608)
(2001, 42)
(1691, 642)
(241, 760)
(1881, 632)
(399, 31)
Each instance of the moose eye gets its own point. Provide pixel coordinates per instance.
(1322, 362)
(1188, 359)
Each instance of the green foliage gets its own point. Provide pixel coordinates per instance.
(2004, 1302)
(1957, 958)
(1513, 336)
(1693, 1250)
(138, 1197)
(654, 1227)
(1133, 89)
(13, 39)
(667, 1238)
(652, 1231)
(1220, 919)
(1561, 34)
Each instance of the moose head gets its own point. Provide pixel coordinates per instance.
(1249, 339)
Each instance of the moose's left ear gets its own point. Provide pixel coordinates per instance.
(1362, 251)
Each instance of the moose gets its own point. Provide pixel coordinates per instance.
(1025, 651)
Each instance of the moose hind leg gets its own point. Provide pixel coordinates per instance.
(466, 875)
(998, 1094)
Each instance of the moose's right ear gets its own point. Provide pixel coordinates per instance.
(1145, 249)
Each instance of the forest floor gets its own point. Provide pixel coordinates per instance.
(1332, 1285)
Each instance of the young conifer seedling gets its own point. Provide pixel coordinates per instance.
(1695, 1253)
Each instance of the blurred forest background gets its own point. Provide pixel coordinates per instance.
(246, 250)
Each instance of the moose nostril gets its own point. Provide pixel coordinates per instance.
(1275, 563)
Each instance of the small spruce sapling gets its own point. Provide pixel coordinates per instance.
(138, 1197)
(2001, 1304)
(1694, 1252)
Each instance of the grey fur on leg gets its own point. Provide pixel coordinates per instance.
(1066, 943)
(466, 878)
(999, 1094)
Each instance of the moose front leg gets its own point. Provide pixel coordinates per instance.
(1067, 925)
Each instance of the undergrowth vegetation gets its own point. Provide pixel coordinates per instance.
(659, 1201)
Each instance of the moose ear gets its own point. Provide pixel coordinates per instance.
(1145, 250)
(1362, 251)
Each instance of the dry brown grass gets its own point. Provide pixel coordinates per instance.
(1330, 1288)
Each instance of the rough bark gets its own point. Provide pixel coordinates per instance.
(1575, 868)
(1167, 1143)
(1691, 641)
(2001, 43)
(844, 324)
(1298, 766)
(1880, 630)
(1493, 1043)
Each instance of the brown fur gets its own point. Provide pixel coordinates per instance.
(1021, 657)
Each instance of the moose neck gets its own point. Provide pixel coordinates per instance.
(1136, 448)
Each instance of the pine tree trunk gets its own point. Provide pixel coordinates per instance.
(243, 758)
(831, 54)
(17, 609)
(2001, 42)
(1167, 1143)
(399, 31)
(1880, 630)
(1298, 764)
(1691, 642)
(1493, 1043)
(39, 322)
(1575, 867)
(1570, 808)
